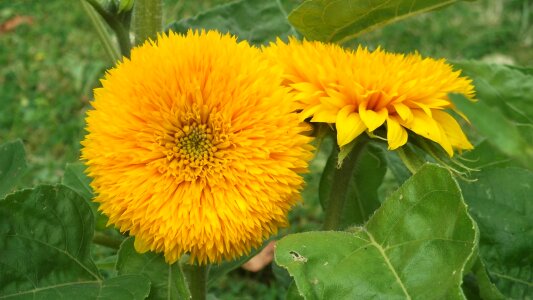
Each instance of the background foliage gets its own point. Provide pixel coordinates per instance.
(51, 59)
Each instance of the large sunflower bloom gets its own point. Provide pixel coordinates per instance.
(359, 90)
(194, 147)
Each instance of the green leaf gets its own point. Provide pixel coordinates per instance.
(485, 156)
(504, 112)
(395, 164)
(168, 281)
(342, 20)
(12, 165)
(125, 5)
(292, 293)
(417, 245)
(76, 179)
(500, 202)
(499, 131)
(362, 194)
(259, 22)
(506, 88)
(45, 249)
(487, 290)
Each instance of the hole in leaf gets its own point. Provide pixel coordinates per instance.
(297, 257)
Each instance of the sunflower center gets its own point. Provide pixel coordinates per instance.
(195, 147)
(195, 142)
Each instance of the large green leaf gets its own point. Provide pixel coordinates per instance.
(341, 20)
(504, 112)
(12, 165)
(45, 237)
(507, 88)
(500, 202)
(168, 281)
(501, 132)
(362, 194)
(76, 179)
(416, 245)
(256, 21)
(486, 156)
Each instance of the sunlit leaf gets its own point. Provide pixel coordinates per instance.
(504, 112)
(168, 281)
(341, 20)
(12, 165)
(256, 21)
(500, 132)
(45, 238)
(422, 235)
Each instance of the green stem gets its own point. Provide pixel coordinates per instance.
(110, 49)
(198, 282)
(106, 240)
(339, 187)
(147, 19)
(410, 159)
(123, 35)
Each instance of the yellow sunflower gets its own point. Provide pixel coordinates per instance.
(194, 147)
(359, 90)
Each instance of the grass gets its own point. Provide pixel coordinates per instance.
(49, 68)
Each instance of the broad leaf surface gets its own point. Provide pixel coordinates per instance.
(416, 245)
(76, 179)
(500, 202)
(168, 281)
(12, 165)
(504, 112)
(362, 194)
(258, 22)
(341, 20)
(501, 132)
(486, 156)
(45, 237)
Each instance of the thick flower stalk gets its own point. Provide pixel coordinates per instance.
(194, 147)
(359, 90)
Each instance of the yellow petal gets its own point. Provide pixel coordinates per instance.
(424, 125)
(371, 118)
(396, 134)
(304, 87)
(140, 245)
(334, 98)
(452, 130)
(349, 125)
(325, 116)
(403, 111)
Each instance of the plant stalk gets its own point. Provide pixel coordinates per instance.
(110, 49)
(123, 35)
(198, 282)
(106, 240)
(410, 159)
(147, 19)
(341, 182)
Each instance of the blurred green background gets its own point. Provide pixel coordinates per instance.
(51, 59)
